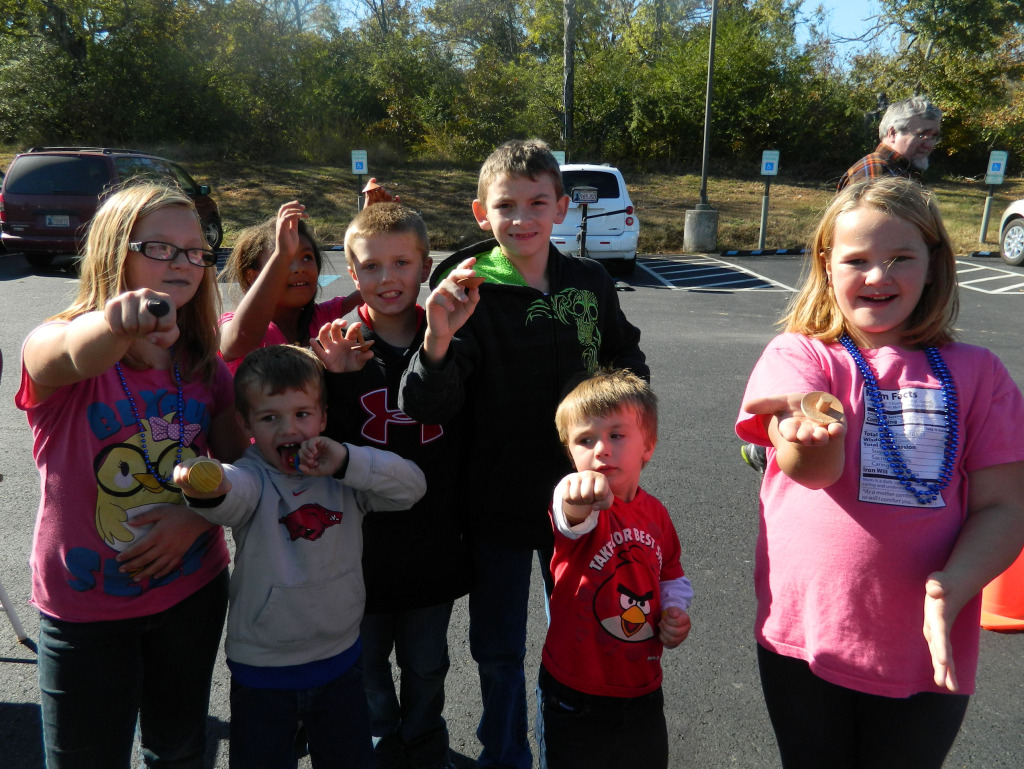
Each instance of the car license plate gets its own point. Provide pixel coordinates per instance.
(55, 220)
(584, 195)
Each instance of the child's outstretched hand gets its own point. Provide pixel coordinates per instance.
(449, 307)
(143, 314)
(287, 232)
(809, 451)
(321, 456)
(341, 346)
(201, 478)
(937, 626)
(674, 627)
(584, 492)
(794, 425)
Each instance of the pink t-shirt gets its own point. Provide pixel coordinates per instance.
(323, 312)
(606, 603)
(840, 572)
(88, 448)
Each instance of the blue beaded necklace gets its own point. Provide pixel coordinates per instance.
(142, 427)
(930, 491)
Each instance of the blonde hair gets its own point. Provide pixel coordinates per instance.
(104, 274)
(531, 158)
(604, 392)
(814, 312)
(386, 219)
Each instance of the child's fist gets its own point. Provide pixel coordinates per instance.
(201, 478)
(674, 627)
(588, 488)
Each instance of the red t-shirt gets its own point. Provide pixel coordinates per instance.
(606, 605)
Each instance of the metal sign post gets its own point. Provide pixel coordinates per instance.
(584, 196)
(359, 168)
(769, 168)
(994, 176)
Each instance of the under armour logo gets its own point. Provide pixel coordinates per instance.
(381, 415)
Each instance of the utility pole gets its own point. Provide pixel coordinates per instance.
(569, 71)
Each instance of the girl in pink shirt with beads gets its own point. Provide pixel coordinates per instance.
(893, 492)
(277, 267)
(131, 585)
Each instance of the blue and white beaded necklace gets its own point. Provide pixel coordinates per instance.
(928, 492)
(142, 428)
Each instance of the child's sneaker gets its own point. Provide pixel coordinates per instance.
(755, 456)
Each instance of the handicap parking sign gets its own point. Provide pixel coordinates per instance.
(359, 165)
(996, 167)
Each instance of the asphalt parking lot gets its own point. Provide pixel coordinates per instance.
(705, 319)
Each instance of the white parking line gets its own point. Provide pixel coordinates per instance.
(1013, 282)
(691, 267)
(689, 272)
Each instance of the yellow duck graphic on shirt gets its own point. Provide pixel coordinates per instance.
(126, 488)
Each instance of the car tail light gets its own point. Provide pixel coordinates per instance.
(629, 209)
(3, 214)
(629, 221)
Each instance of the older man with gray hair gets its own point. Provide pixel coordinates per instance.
(909, 131)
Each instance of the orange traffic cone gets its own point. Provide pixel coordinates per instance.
(1002, 600)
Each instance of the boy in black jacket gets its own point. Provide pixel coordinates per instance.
(417, 562)
(502, 352)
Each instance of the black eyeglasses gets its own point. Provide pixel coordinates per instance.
(925, 136)
(165, 252)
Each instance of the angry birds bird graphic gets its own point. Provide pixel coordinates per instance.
(126, 488)
(622, 604)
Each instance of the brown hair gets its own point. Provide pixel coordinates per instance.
(273, 370)
(814, 312)
(104, 273)
(605, 392)
(387, 219)
(531, 158)
(250, 246)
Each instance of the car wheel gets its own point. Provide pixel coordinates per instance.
(1012, 241)
(213, 232)
(39, 261)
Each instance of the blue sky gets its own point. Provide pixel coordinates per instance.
(847, 18)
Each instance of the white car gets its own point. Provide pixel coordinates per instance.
(1011, 233)
(612, 227)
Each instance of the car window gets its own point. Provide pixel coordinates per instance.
(57, 175)
(184, 181)
(607, 185)
(154, 169)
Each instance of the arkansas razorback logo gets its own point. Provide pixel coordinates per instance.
(310, 521)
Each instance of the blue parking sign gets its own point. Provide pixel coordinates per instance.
(359, 165)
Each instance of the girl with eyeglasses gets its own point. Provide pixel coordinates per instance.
(131, 586)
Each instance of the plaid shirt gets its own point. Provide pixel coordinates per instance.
(884, 160)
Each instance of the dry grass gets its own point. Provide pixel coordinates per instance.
(250, 193)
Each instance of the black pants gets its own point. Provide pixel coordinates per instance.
(819, 724)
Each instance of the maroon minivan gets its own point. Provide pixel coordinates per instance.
(50, 194)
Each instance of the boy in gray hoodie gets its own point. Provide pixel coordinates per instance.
(295, 503)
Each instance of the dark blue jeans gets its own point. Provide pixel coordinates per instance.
(497, 640)
(414, 718)
(97, 679)
(264, 721)
(584, 730)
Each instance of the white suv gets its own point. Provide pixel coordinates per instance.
(1011, 233)
(612, 227)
